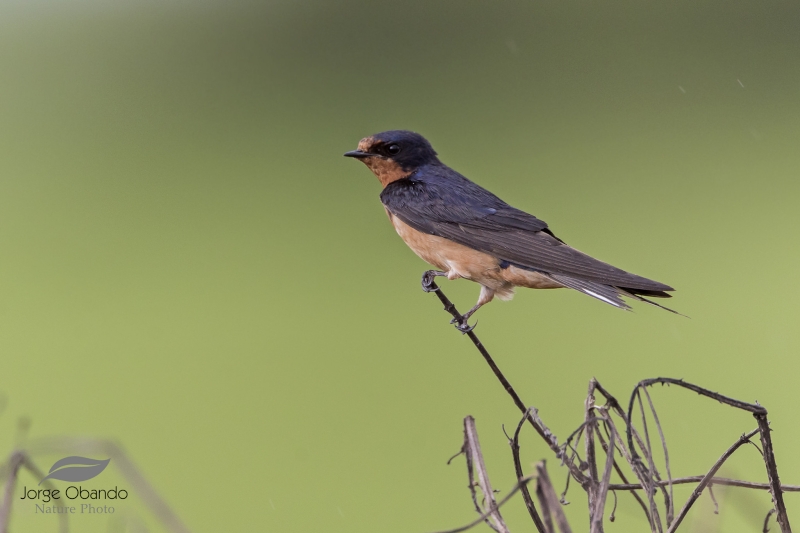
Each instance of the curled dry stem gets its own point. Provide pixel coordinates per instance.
(638, 452)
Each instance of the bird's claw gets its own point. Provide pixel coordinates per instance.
(427, 287)
(462, 325)
(427, 281)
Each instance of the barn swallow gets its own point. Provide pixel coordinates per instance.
(467, 232)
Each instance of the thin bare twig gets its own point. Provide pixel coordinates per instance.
(621, 447)
(707, 479)
(713, 498)
(638, 468)
(549, 493)
(590, 425)
(486, 515)
(545, 505)
(642, 461)
(472, 450)
(716, 481)
(766, 521)
(429, 285)
(526, 495)
(602, 489)
(772, 472)
(671, 503)
(760, 414)
(612, 516)
(651, 471)
(646, 478)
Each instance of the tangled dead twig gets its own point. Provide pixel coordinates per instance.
(599, 427)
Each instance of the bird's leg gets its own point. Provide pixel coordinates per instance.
(485, 297)
(428, 277)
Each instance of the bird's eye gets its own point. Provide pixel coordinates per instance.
(393, 149)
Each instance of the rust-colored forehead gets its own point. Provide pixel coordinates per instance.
(366, 143)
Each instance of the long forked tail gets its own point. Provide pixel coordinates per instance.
(608, 293)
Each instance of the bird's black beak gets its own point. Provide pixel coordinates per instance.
(358, 154)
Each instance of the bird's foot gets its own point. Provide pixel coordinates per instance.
(462, 325)
(428, 284)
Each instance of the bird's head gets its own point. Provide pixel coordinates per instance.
(393, 155)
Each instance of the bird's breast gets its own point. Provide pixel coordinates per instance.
(445, 254)
(467, 262)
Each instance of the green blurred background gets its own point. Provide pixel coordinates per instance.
(189, 266)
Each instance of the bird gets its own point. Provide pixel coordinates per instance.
(465, 231)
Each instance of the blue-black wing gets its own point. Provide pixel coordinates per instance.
(439, 201)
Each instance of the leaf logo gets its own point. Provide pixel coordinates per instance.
(76, 469)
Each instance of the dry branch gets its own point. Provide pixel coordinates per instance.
(472, 450)
(715, 481)
(638, 454)
(429, 285)
(485, 515)
(545, 487)
(526, 495)
(707, 479)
